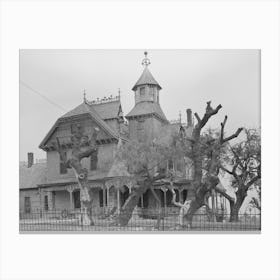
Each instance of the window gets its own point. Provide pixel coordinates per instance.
(142, 91)
(169, 197)
(46, 203)
(93, 161)
(27, 204)
(101, 202)
(77, 201)
(62, 157)
(185, 195)
(103, 198)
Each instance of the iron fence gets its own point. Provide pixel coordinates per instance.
(147, 220)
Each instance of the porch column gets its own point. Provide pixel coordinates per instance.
(142, 201)
(104, 197)
(118, 201)
(108, 197)
(164, 197)
(50, 200)
(70, 190)
(41, 201)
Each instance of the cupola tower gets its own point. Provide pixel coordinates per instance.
(147, 117)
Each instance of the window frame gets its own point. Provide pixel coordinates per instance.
(27, 198)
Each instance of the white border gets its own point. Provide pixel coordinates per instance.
(200, 24)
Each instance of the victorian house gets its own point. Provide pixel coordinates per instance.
(50, 185)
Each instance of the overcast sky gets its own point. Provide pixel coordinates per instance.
(189, 78)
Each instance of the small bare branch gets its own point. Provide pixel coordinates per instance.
(223, 129)
(252, 181)
(238, 131)
(226, 170)
(209, 113)
(197, 117)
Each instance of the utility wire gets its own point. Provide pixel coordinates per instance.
(42, 95)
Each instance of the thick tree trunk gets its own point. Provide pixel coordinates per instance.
(210, 183)
(82, 147)
(130, 204)
(196, 203)
(235, 207)
(86, 197)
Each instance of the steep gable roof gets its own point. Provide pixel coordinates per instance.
(82, 109)
(146, 79)
(108, 110)
(145, 108)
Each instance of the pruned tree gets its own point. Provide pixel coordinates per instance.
(205, 153)
(83, 146)
(244, 165)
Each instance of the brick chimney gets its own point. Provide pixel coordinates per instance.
(189, 118)
(30, 159)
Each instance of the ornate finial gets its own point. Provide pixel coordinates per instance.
(146, 61)
(119, 93)
(85, 100)
(180, 117)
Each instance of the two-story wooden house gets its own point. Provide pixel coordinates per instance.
(110, 182)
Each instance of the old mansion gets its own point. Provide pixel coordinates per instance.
(49, 185)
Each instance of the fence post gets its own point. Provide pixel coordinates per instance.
(82, 217)
(163, 217)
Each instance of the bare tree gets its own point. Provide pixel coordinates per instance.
(245, 167)
(203, 150)
(82, 147)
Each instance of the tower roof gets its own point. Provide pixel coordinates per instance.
(146, 108)
(146, 79)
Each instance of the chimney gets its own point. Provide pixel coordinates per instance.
(30, 159)
(189, 118)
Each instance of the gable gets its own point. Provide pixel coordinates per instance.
(64, 130)
(83, 113)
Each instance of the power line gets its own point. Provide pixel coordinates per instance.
(42, 95)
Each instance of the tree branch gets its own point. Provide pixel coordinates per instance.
(178, 204)
(59, 149)
(222, 129)
(220, 189)
(155, 196)
(252, 181)
(209, 113)
(238, 131)
(226, 170)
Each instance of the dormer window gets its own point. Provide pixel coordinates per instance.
(142, 91)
